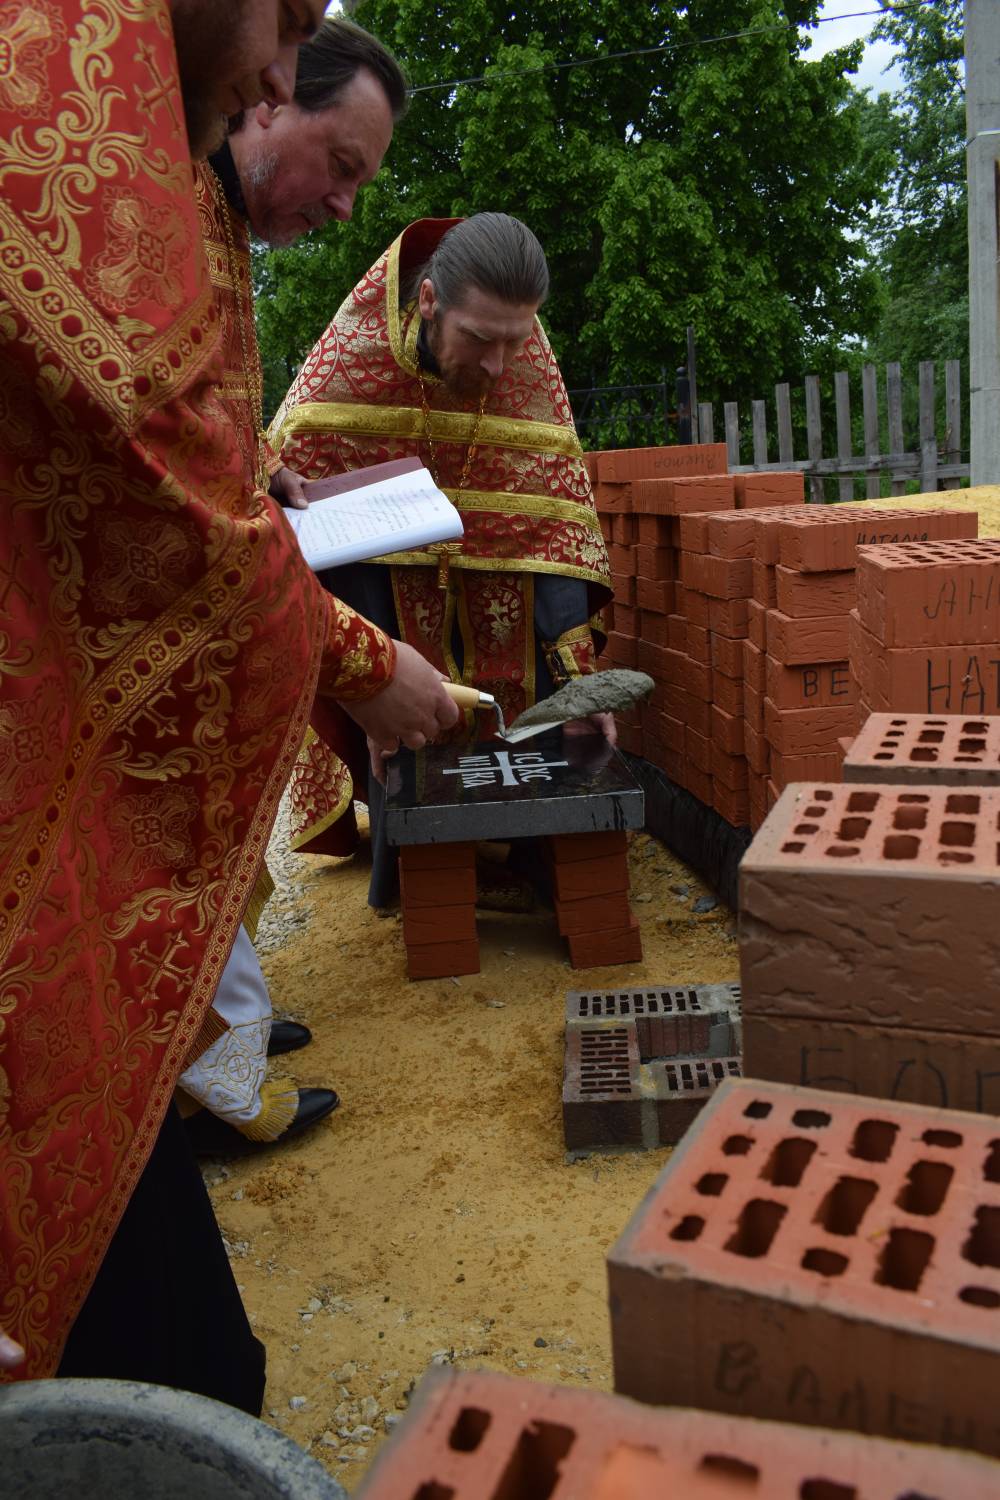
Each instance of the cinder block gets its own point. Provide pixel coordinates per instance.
(927, 679)
(770, 488)
(469, 1434)
(914, 749)
(670, 1020)
(808, 596)
(624, 464)
(933, 594)
(875, 905)
(803, 642)
(827, 537)
(822, 1259)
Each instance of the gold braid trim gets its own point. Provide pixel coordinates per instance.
(314, 829)
(572, 655)
(345, 417)
(279, 1101)
(495, 565)
(262, 893)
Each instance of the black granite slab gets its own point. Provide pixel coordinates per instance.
(555, 783)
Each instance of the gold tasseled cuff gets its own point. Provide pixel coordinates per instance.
(572, 655)
(359, 659)
(212, 1027)
(279, 1102)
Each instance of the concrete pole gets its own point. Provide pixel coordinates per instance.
(982, 117)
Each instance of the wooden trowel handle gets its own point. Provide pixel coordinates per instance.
(467, 697)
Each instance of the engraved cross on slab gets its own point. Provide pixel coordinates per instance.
(513, 770)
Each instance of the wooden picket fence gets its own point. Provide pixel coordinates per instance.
(934, 462)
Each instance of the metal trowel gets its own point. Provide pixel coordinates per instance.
(597, 692)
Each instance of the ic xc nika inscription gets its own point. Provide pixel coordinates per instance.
(501, 768)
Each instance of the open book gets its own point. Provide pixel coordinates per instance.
(390, 507)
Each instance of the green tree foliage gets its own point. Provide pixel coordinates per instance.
(717, 183)
(920, 235)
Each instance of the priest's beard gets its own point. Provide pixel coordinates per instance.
(468, 383)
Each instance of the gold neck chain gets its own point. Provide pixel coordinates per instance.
(447, 550)
(252, 371)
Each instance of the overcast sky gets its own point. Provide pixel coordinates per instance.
(836, 33)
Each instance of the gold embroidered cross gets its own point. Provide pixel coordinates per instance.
(161, 966)
(10, 580)
(75, 1175)
(162, 91)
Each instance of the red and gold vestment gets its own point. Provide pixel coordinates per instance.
(161, 640)
(525, 501)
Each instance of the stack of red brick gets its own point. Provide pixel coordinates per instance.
(925, 636)
(590, 887)
(437, 892)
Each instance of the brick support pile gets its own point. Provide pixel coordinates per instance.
(590, 886)
(437, 892)
(815, 1258)
(868, 949)
(473, 1434)
(925, 637)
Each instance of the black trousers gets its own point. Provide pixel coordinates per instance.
(164, 1307)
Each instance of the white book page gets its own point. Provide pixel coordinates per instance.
(394, 516)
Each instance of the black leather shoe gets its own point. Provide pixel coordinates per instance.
(287, 1036)
(210, 1136)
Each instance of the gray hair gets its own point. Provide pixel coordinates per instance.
(493, 252)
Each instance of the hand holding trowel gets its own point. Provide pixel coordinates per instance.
(595, 693)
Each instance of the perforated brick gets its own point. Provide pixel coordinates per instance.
(812, 1257)
(925, 679)
(624, 464)
(809, 685)
(822, 538)
(931, 594)
(479, 1435)
(875, 905)
(669, 1022)
(808, 731)
(950, 750)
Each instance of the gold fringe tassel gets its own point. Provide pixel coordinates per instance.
(279, 1103)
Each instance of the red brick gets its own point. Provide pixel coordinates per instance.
(727, 654)
(765, 584)
(756, 749)
(440, 960)
(450, 886)
(757, 623)
(621, 559)
(698, 644)
(655, 595)
(654, 660)
(677, 628)
(728, 616)
(622, 650)
(416, 857)
(807, 731)
(623, 587)
(729, 770)
(654, 628)
(808, 1255)
(804, 642)
(566, 847)
(606, 523)
(694, 677)
(768, 489)
(592, 913)
(805, 596)
(630, 740)
(818, 766)
(754, 666)
(625, 620)
(692, 531)
(732, 803)
(656, 562)
(829, 536)
(823, 684)
(678, 497)
(719, 577)
(623, 464)
(727, 730)
(843, 895)
(753, 708)
(590, 464)
(934, 594)
(694, 711)
(668, 732)
(927, 679)
(732, 534)
(914, 748)
(693, 605)
(598, 949)
(728, 693)
(698, 783)
(612, 499)
(624, 530)
(698, 749)
(769, 525)
(577, 879)
(653, 531)
(439, 924)
(467, 1432)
